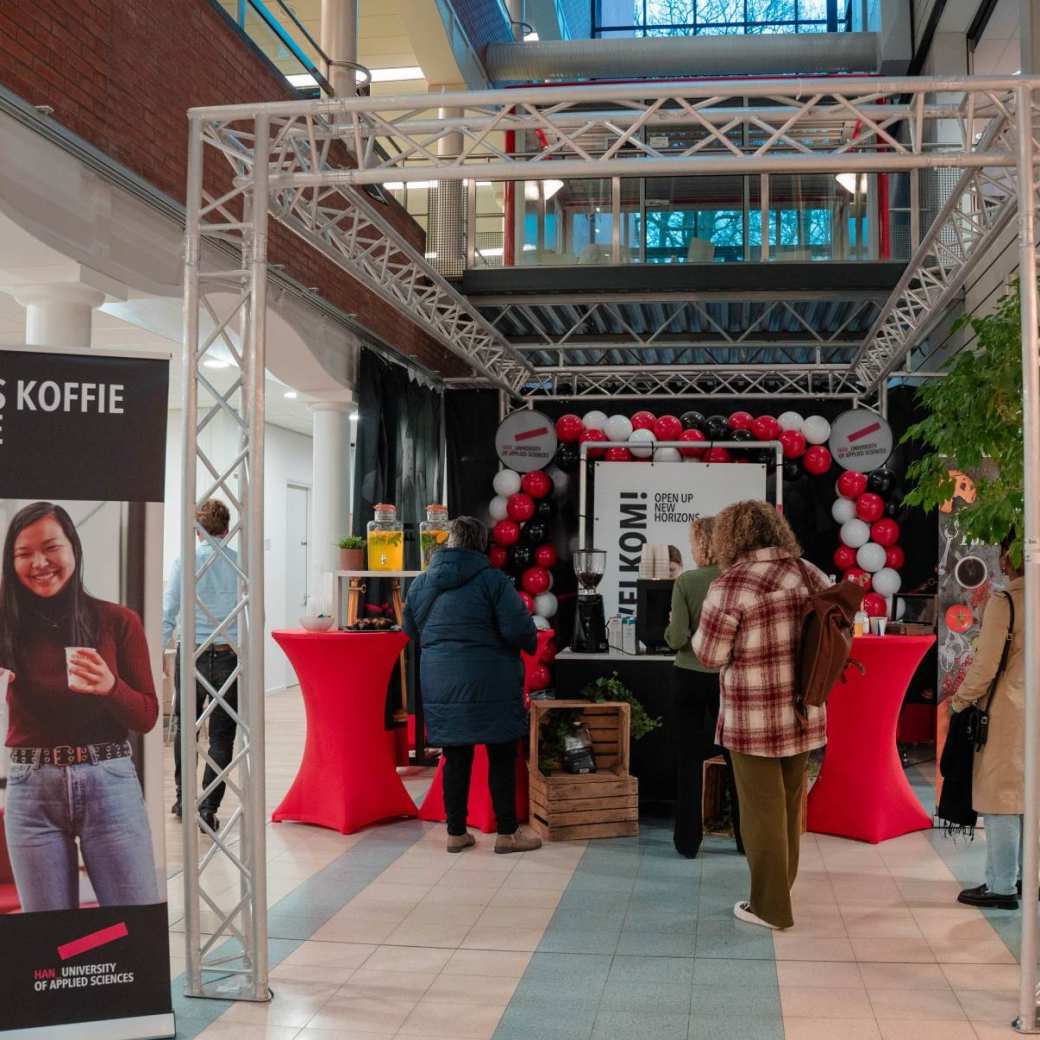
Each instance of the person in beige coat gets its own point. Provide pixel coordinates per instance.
(998, 777)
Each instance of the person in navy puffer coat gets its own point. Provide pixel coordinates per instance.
(471, 626)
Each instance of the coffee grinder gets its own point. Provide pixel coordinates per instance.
(590, 627)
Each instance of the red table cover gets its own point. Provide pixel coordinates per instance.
(347, 778)
(862, 791)
(480, 812)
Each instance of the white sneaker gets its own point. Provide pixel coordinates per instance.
(742, 912)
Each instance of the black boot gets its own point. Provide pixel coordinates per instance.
(983, 897)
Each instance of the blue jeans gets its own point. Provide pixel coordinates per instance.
(50, 807)
(1003, 852)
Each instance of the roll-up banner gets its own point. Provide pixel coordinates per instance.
(84, 948)
(641, 503)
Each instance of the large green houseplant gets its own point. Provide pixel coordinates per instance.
(974, 424)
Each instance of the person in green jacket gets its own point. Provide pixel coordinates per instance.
(695, 696)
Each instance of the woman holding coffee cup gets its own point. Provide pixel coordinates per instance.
(79, 680)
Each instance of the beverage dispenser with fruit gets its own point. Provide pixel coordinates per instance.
(385, 540)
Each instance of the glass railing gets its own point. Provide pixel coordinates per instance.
(657, 18)
(287, 39)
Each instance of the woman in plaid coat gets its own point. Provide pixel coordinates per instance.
(750, 629)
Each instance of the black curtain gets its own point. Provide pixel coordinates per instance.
(398, 456)
(470, 422)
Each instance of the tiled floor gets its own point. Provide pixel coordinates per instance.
(383, 935)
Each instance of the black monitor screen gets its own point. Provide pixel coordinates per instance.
(653, 604)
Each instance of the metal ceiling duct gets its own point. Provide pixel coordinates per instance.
(683, 57)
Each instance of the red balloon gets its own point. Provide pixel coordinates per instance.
(859, 576)
(692, 435)
(740, 421)
(644, 421)
(874, 604)
(548, 652)
(794, 443)
(717, 455)
(535, 580)
(520, 507)
(895, 557)
(545, 556)
(817, 460)
(618, 455)
(537, 484)
(870, 507)
(852, 484)
(528, 600)
(844, 557)
(541, 677)
(668, 428)
(568, 428)
(506, 532)
(498, 556)
(886, 532)
(592, 435)
(765, 428)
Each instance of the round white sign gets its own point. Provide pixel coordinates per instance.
(526, 441)
(860, 440)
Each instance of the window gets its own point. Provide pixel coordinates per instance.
(649, 18)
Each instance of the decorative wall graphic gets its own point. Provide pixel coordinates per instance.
(860, 440)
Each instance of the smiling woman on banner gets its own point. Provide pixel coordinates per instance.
(78, 680)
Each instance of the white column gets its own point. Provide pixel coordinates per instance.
(339, 40)
(331, 491)
(1029, 39)
(58, 314)
(446, 235)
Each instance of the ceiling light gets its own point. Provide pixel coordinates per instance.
(400, 185)
(291, 394)
(549, 189)
(849, 182)
(397, 75)
(532, 37)
(302, 79)
(216, 363)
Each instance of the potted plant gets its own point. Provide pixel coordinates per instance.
(352, 553)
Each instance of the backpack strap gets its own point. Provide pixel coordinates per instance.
(1004, 654)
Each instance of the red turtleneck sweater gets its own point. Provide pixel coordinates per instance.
(43, 712)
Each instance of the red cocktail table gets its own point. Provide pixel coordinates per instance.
(347, 778)
(862, 791)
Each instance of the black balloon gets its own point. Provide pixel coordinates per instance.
(741, 435)
(894, 506)
(567, 457)
(717, 428)
(545, 509)
(519, 557)
(881, 481)
(693, 421)
(792, 469)
(536, 532)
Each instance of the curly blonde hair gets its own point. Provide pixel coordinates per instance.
(746, 526)
(701, 529)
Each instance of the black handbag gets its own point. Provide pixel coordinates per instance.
(976, 719)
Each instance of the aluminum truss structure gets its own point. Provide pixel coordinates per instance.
(303, 163)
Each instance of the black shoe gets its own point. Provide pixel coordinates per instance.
(210, 819)
(176, 809)
(983, 897)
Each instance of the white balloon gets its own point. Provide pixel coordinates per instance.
(506, 482)
(498, 509)
(843, 510)
(816, 429)
(855, 533)
(552, 580)
(541, 623)
(545, 605)
(561, 481)
(900, 608)
(791, 421)
(887, 581)
(871, 557)
(594, 420)
(618, 428)
(666, 455)
(638, 437)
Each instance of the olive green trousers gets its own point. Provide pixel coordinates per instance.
(770, 795)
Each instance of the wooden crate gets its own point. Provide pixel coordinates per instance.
(604, 804)
(712, 788)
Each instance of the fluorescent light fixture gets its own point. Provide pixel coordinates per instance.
(549, 189)
(291, 394)
(400, 185)
(302, 79)
(397, 75)
(848, 182)
(216, 363)
(532, 37)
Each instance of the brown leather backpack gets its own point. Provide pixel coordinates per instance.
(826, 644)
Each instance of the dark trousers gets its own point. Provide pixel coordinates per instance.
(216, 666)
(695, 714)
(458, 762)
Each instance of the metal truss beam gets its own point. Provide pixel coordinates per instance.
(549, 299)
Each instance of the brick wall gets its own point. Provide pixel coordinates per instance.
(123, 73)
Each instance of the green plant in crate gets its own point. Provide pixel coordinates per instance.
(974, 424)
(351, 542)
